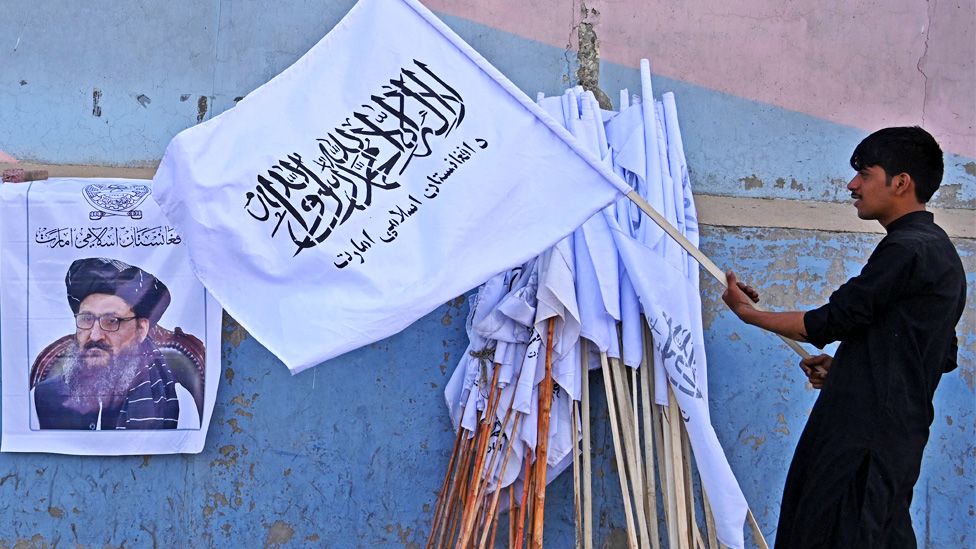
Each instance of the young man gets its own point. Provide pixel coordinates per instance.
(850, 483)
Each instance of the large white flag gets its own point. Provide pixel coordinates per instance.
(388, 170)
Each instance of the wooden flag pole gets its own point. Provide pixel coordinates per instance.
(542, 442)
(647, 404)
(483, 493)
(485, 428)
(701, 258)
(587, 456)
(439, 507)
(618, 450)
(492, 516)
(577, 481)
(618, 372)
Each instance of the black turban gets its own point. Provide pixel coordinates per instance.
(146, 295)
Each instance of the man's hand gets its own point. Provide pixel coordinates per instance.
(816, 368)
(738, 294)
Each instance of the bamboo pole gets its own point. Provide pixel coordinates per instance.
(483, 494)
(440, 505)
(459, 474)
(650, 492)
(492, 516)
(757, 534)
(511, 516)
(587, 455)
(471, 507)
(542, 442)
(618, 451)
(525, 501)
(709, 520)
(577, 482)
(617, 370)
(696, 537)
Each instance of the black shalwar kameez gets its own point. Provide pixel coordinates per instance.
(850, 483)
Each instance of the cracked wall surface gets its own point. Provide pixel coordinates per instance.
(771, 96)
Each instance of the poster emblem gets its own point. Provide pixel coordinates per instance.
(111, 199)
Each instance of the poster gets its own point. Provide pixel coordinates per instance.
(109, 344)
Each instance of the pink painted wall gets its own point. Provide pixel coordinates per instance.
(867, 64)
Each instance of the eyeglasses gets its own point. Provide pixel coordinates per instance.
(108, 323)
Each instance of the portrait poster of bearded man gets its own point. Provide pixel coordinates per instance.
(109, 343)
(112, 375)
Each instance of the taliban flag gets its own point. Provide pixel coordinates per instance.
(388, 170)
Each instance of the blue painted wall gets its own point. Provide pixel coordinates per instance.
(351, 453)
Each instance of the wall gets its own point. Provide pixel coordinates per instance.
(772, 97)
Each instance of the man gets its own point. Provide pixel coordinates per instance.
(114, 377)
(850, 483)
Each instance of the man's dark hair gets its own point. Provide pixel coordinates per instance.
(910, 150)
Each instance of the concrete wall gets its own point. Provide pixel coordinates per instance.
(772, 97)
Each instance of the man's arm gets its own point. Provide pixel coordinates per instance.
(788, 324)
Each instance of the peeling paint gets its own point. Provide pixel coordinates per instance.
(755, 440)
(796, 185)
(782, 427)
(55, 512)
(780, 183)
(235, 428)
(751, 182)
(970, 168)
(23, 82)
(143, 100)
(233, 333)
(229, 375)
(96, 97)
(279, 533)
(588, 56)
(201, 108)
(184, 97)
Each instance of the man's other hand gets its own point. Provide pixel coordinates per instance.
(816, 368)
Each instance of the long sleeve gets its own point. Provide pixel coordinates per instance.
(859, 301)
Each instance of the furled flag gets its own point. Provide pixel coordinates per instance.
(388, 170)
(666, 281)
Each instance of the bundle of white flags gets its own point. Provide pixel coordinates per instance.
(597, 284)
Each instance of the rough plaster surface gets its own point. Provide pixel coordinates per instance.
(351, 453)
(867, 64)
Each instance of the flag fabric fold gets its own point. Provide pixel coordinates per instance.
(415, 171)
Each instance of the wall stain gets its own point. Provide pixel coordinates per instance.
(201, 108)
(781, 423)
(96, 97)
(234, 333)
(755, 440)
(751, 182)
(279, 533)
(24, 83)
(184, 97)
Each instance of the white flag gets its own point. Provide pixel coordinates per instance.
(388, 170)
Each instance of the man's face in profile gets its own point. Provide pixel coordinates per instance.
(98, 346)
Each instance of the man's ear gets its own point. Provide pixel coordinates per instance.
(902, 184)
(142, 328)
